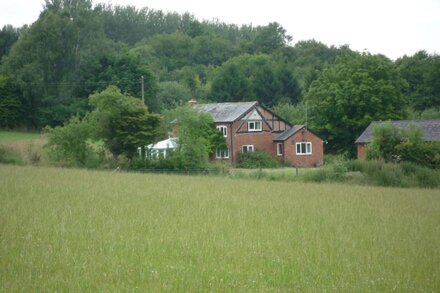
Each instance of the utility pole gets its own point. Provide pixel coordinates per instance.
(306, 115)
(142, 90)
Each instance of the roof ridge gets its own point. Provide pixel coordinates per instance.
(244, 102)
(406, 120)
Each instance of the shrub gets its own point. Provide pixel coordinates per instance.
(421, 153)
(385, 137)
(70, 145)
(404, 174)
(257, 159)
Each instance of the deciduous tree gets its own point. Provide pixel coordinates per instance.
(348, 96)
(123, 122)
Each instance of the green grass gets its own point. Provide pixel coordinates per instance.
(18, 136)
(78, 230)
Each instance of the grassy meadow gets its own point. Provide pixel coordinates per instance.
(78, 230)
(22, 148)
(18, 136)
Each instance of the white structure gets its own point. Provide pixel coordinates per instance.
(160, 149)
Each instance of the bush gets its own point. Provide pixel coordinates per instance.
(68, 144)
(404, 174)
(257, 159)
(421, 153)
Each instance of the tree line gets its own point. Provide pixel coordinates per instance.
(75, 49)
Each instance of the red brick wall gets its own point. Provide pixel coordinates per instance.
(238, 135)
(361, 151)
(315, 159)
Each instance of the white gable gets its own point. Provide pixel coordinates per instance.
(253, 116)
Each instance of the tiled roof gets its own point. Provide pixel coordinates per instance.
(288, 133)
(430, 129)
(226, 112)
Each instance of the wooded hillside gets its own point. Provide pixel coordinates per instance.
(76, 48)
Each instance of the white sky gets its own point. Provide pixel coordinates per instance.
(390, 27)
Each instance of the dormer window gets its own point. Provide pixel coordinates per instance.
(254, 126)
(223, 130)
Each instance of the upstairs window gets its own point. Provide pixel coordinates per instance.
(223, 130)
(248, 148)
(255, 126)
(303, 148)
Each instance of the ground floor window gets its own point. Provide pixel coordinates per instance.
(279, 149)
(303, 148)
(248, 148)
(222, 153)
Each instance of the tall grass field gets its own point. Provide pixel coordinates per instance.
(77, 230)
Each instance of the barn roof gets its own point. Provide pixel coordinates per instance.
(430, 129)
(226, 112)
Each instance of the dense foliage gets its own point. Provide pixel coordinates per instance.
(348, 96)
(198, 137)
(118, 124)
(393, 144)
(257, 159)
(75, 49)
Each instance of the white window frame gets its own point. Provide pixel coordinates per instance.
(247, 148)
(223, 129)
(308, 148)
(279, 149)
(254, 125)
(222, 154)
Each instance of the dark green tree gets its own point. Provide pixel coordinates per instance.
(123, 122)
(172, 94)
(212, 50)
(230, 84)
(174, 50)
(422, 72)
(348, 96)
(271, 37)
(294, 114)
(8, 36)
(253, 77)
(49, 60)
(125, 70)
(11, 108)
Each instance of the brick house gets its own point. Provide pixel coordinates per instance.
(430, 131)
(248, 126)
